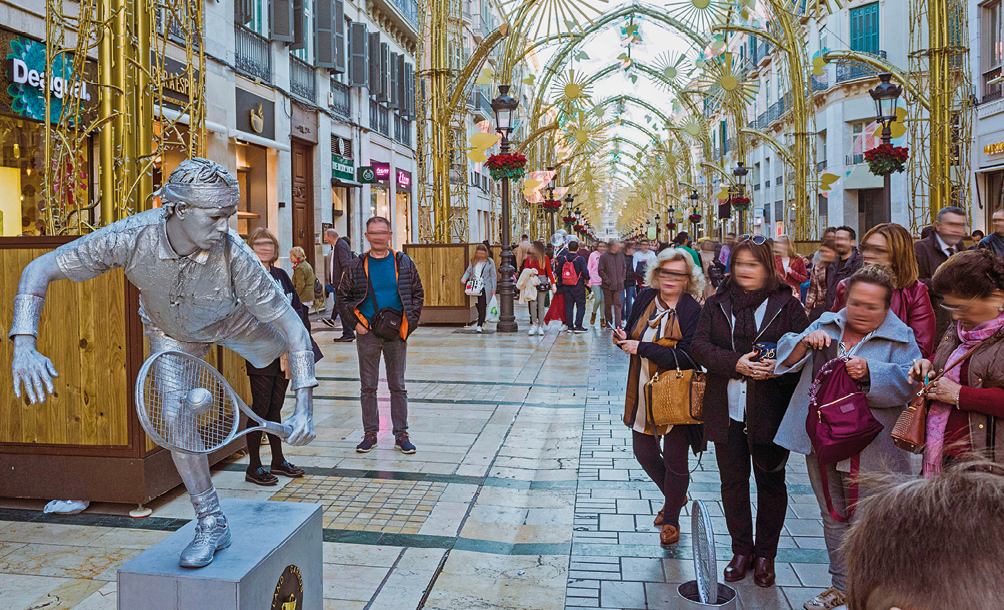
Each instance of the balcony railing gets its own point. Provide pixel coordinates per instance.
(341, 100)
(761, 121)
(251, 54)
(408, 8)
(402, 130)
(774, 112)
(379, 119)
(302, 80)
(854, 159)
(851, 70)
(991, 92)
(820, 165)
(820, 83)
(175, 32)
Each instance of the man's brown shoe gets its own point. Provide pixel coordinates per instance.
(592, 319)
(763, 572)
(737, 568)
(659, 518)
(669, 535)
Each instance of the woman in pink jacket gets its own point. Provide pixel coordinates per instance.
(595, 281)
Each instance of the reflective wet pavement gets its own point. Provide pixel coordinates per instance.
(524, 494)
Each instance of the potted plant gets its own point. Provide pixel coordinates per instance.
(551, 204)
(506, 166)
(695, 218)
(887, 159)
(741, 203)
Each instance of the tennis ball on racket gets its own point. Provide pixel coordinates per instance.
(199, 400)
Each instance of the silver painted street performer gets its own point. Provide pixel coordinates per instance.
(199, 284)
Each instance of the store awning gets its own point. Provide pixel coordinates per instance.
(862, 178)
(174, 115)
(992, 168)
(250, 138)
(346, 183)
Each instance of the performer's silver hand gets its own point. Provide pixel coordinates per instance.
(33, 369)
(302, 420)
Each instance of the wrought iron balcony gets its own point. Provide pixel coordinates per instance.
(820, 83)
(408, 8)
(761, 121)
(402, 130)
(341, 100)
(991, 92)
(850, 70)
(774, 112)
(251, 54)
(302, 79)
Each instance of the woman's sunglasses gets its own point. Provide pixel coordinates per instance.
(757, 240)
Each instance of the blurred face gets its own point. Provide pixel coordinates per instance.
(844, 242)
(781, 248)
(866, 307)
(876, 251)
(672, 277)
(378, 235)
(730, 240)
(204, 226)
(615, 247)
(293, 258)
(643, 246)
(999, 222)
(748, 272)
(973, 312)
(480, 255)
(330, 238)
(265, 250)
(827, 255)
(601, 248)
(951, 228)
(708, 246)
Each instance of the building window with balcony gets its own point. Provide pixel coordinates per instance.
(301, 60)
(865, 28)
(992, 49)
(252, 55)
(857, 156)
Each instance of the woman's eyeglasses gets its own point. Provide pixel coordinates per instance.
(959, 309)
(758, 240)
(676, 275)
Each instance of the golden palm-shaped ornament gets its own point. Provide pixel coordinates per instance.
(725, 80)
(571, 91)
(550, 17)
(700, 15)
(674, 68)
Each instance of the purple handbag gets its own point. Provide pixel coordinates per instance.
(840, 425)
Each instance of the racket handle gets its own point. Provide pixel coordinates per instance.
(281, 430)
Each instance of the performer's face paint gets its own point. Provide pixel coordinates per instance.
(206, 226)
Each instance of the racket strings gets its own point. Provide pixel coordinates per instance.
(165, 392)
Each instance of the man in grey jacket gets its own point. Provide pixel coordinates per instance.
(335, 262)
(612, 269)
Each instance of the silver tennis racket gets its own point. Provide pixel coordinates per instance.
(184, 404)
(705, 564)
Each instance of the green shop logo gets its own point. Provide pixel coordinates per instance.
(28, 77)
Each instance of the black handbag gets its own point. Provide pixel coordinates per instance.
(386, 322)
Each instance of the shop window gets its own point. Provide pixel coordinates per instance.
(992, 51)
(252, 175)
(857, 133)
(22, 164)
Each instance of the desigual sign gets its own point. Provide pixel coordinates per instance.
(26, 76)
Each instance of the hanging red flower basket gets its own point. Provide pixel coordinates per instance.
(551, 204)
(670, 225)
(578, 228)
(568, 220)
(741, 203)
(695, 218)
(506, 166)
(887, 159)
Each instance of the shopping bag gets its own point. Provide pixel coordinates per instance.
(493, 310)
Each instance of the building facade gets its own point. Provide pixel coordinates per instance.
(986, 50)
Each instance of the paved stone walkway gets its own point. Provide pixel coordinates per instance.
(524, 494)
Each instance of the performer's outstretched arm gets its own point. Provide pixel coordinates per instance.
(301, 363)
(28, 365)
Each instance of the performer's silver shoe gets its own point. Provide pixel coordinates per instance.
(211, 532)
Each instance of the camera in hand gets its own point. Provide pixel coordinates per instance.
(764, 351)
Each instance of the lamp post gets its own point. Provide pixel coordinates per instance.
(670, 217)
(657, 226)
(886, 97)
(740, 173)
(504, 107)
(694, 197)
(550, 196)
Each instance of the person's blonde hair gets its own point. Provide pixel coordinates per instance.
(789, 243)
(298, 253)
(696, 284)
(904, 262)
(260, 233)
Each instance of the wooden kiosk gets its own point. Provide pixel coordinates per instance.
(441, 266)
(85, 442)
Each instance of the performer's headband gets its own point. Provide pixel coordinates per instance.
(218, 195)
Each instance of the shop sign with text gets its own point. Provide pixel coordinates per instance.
(341, 168)
(382, 170)
(403, 180)
(26, 76)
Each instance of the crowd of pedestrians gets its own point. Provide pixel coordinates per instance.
(777, 336)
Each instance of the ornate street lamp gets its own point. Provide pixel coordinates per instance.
(504, 107)
(694, 198)
(670, 219)
(657, 226)
(740, 174)
(550, 198)
(886, 97)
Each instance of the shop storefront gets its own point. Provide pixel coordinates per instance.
(380, 190)
(255, 126)
(23, 80)
(402, 230)
(990, 185)
(342, 186)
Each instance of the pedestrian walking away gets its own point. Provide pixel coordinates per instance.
(611, 268)
(382, 293)
(482, 267)
(658, 336)
(571, 276)
(630, 283)
(595, 284)
(744, 401)
(879, 350)
(335, 262)
(269, 383)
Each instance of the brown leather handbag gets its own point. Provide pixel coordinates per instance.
(910, 431)
(676, 397)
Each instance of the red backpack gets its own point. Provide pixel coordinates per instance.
(840, 424)
(569, 276)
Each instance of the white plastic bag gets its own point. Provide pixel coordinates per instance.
(66, 507)
(493, 310)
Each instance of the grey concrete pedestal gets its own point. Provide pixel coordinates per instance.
(271, 540)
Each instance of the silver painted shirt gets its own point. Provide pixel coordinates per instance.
(205, 297)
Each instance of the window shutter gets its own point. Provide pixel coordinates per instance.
(243, 11)
(384, 94)
(338, 14)
(281, 17)
(359, 61)
(411, 91)
(324, 34)
(400, 88)
(374, 49)
(393, 101)
(299, 21)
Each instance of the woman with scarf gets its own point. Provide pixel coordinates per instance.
(966, 412)
(658, 335)
(745, 401)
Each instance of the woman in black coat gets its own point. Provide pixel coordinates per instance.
(658, 336)
(744, 401)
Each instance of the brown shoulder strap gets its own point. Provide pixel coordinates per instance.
(957, 362)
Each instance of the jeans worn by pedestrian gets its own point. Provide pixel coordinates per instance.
(369, 348)
(575, 300)
(629, 294)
